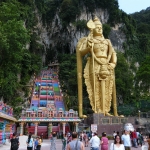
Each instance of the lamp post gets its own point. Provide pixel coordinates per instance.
(139, 114)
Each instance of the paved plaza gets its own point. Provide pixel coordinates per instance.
(45, 145)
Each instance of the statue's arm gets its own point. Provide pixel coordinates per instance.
(110, 50)
(112, 56)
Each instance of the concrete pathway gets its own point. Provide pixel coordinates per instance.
(45, 145)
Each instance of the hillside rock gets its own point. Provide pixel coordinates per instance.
(55, 37)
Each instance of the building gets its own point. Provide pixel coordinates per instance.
(7, 122)
(47, 112)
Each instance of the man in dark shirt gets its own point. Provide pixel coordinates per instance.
(14, 142)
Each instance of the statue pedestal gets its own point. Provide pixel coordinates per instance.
(107, 124)
(99, 118)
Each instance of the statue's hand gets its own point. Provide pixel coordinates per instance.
(111, 65)
(90, 41)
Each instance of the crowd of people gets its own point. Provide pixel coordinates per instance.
(78, 141)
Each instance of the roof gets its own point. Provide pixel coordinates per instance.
(7, 117)
(50, 120)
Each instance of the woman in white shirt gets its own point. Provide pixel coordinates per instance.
(29, 143)
(117, 145)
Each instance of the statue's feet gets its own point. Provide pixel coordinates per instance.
(108, 114)
(83, 116)
(116, 115)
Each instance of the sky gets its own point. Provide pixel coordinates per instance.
(131, 6)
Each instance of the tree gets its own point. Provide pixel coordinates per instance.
(68, 82)
(143, 75)
(13, 39)
(124, 78)
(17, 64)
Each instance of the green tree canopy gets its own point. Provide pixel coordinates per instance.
(143, 75)
(17, 63)
(124, 78)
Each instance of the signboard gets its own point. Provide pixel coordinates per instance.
(94, 127)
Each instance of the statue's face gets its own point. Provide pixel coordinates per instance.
(98, 30)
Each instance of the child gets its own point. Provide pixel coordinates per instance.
(36, 143)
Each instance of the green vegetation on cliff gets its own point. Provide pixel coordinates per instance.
(17, 63)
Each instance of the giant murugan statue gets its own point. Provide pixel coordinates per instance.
(99, 70)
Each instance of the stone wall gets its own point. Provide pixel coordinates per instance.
(109, 124)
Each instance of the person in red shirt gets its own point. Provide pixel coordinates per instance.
(134, 138)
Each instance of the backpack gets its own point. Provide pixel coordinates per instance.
(14, 144)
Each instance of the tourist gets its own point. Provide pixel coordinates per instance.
(53, 144)
(134, 138)
(95, 142)
(117, 132)
(36, 143)
(104, 142)
(39, 144)
(82, 136)
(14, 143)
(64, 142)
(137, 134)
(10, 137)
(117, 145)
(42, 137)
(114, 134)
(69, 138)
(75, 144)
(85, 138)
(140, 139)
(148, 141)
(126, 140)
(29, 142)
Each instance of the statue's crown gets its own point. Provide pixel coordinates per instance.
(97, 21)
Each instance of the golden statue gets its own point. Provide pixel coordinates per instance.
(99, 70)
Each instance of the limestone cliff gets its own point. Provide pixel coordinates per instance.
(54, 37)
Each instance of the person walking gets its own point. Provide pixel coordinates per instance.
(95, 142)
(53, 144)
(126, 140)
(114, 134)
(104, 142)
(14, 143)
(148, 141)
(39, 144)
(29, 142)
(85, 139)
(140, 139)
(36, 143)
(64, 142)
(137, 134)
(75, 144)
(117, 145)
(134, 138)
(42, 136)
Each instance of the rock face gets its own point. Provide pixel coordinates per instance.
(55, 37)
(117, 37)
